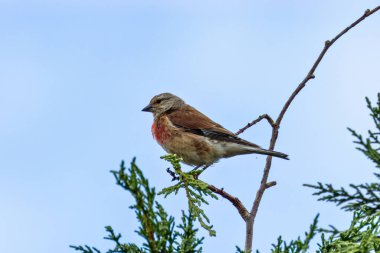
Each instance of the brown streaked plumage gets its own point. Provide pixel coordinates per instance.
(183, 130)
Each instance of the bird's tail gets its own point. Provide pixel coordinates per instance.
(269, 152)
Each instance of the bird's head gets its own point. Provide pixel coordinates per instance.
(163, 103)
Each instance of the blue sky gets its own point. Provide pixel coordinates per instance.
(74, 76)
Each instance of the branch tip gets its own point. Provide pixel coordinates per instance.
(270, 184)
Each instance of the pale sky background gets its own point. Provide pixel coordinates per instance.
(74, 76)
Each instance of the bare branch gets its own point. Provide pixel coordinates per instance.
(235, 201)
(310, 74)
(276, 126)
(261, 117)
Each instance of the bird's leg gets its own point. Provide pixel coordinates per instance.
(205, 167)
(201, 171)
(197, 167)
(197, 175)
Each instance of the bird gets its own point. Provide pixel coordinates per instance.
(183, 130)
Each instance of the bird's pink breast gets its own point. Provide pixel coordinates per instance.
(160, 132)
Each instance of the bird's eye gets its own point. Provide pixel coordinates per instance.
(158, 101)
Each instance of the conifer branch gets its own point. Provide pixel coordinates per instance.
(360, 195)
(157, 228)
(195, 190)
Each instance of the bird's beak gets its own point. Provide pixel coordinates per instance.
(147, 108)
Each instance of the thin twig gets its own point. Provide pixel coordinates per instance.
(276, 126)
(270, 184)
(261, 117)
(235, 201)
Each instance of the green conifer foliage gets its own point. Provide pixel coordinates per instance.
(156, 226)
(363, 200)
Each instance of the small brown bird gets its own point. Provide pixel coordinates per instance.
(181, 129)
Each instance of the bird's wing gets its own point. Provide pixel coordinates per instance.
(193, 121)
